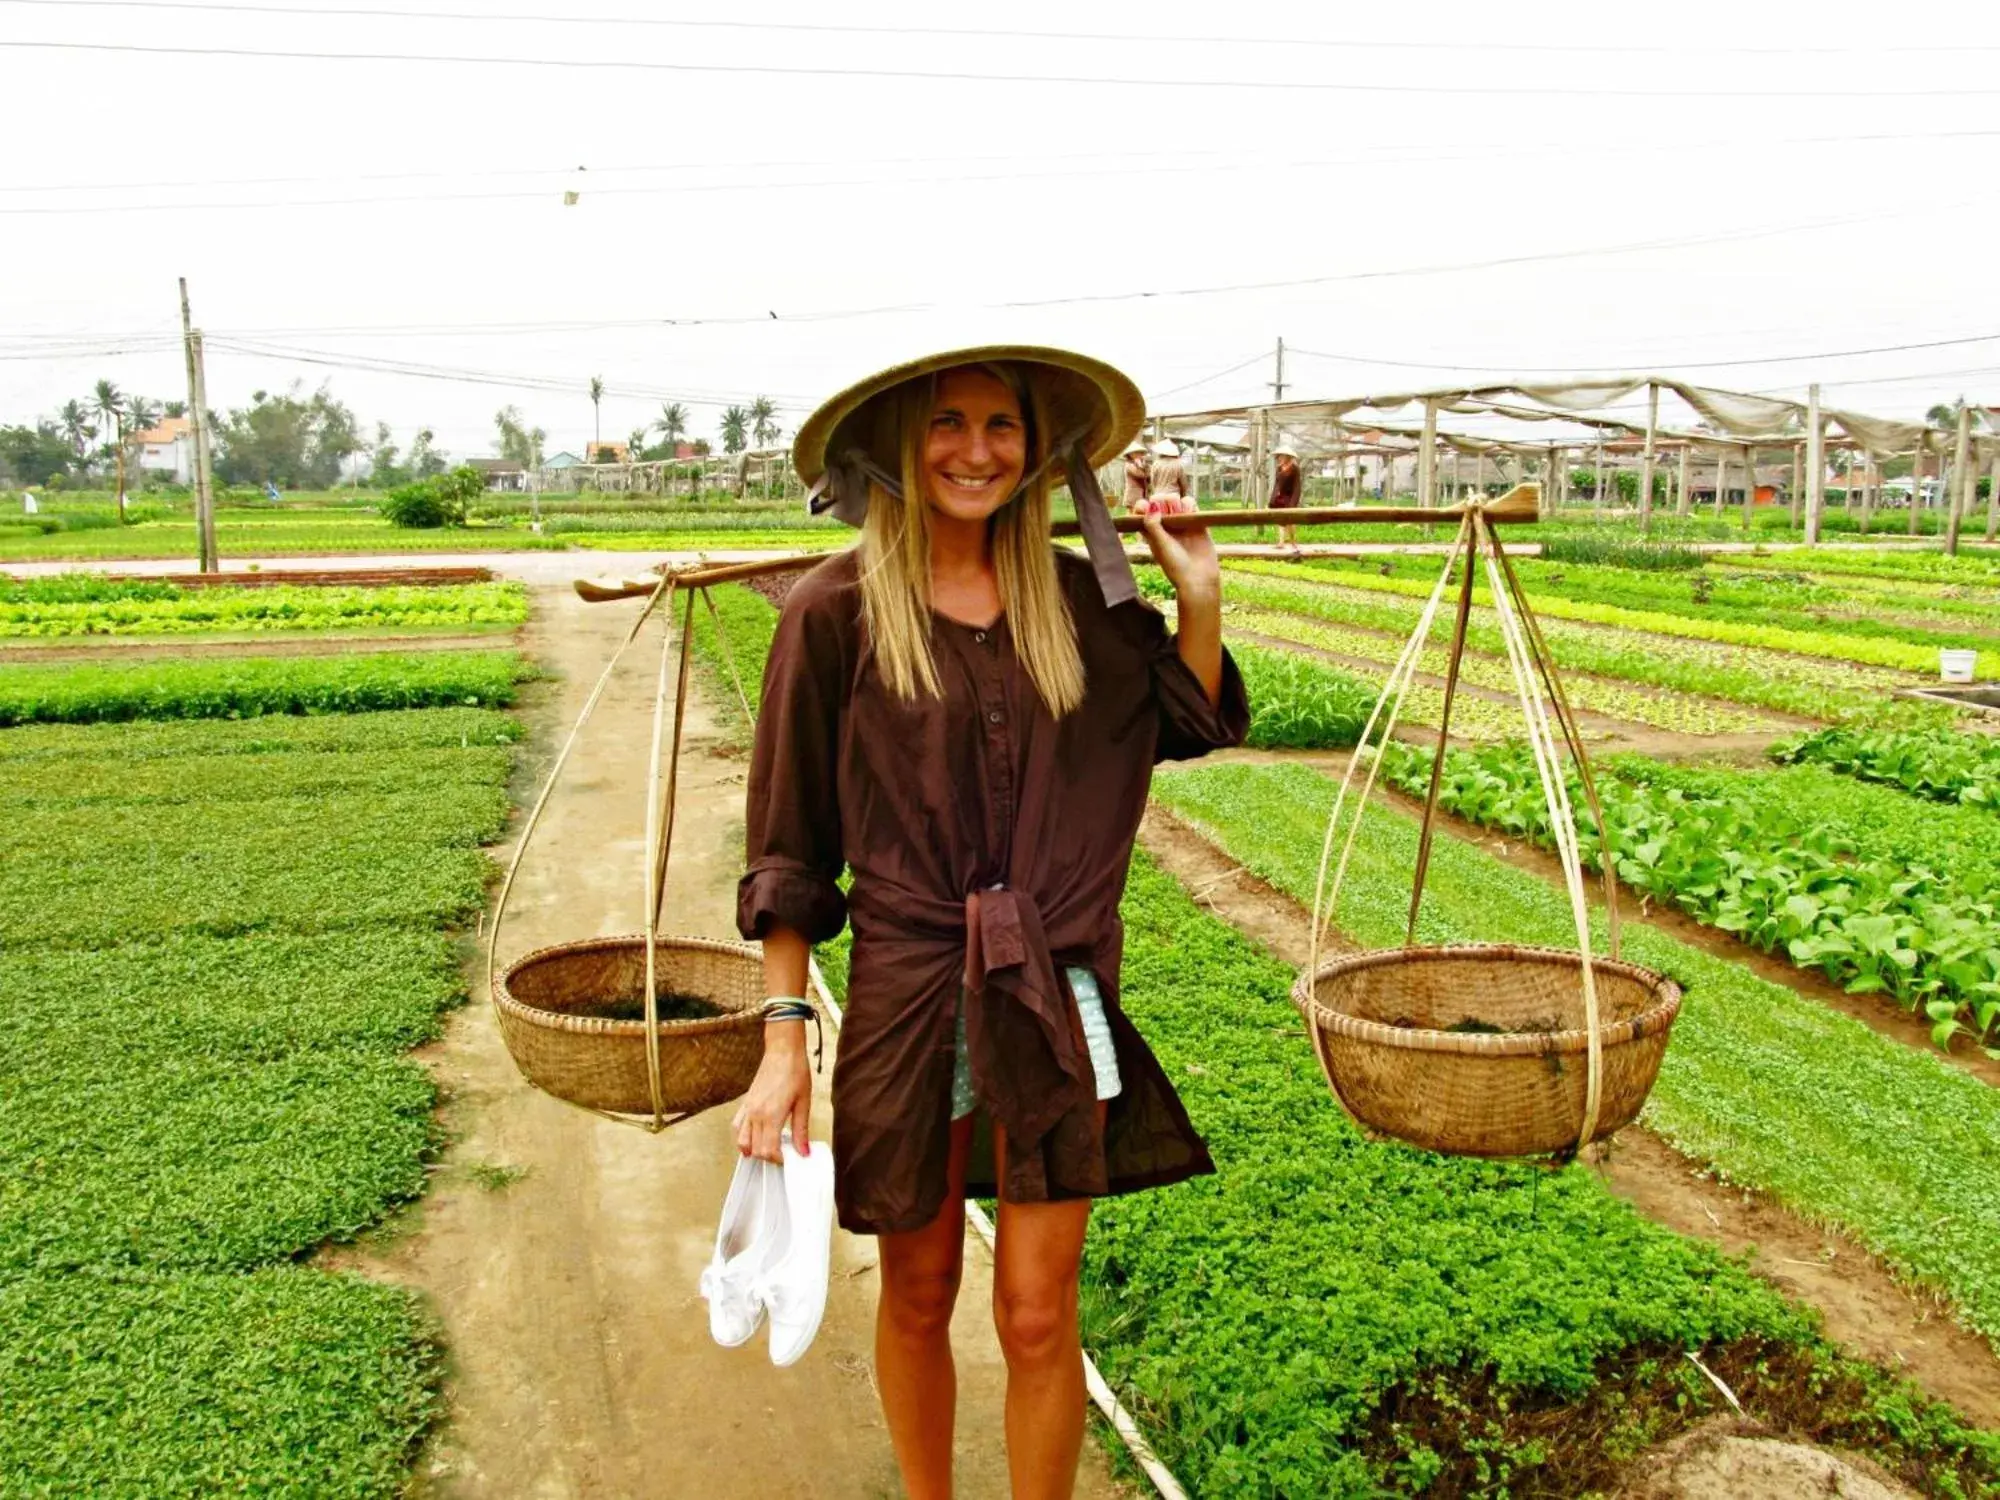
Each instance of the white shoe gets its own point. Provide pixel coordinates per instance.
(792, 1286)
(753, 1216)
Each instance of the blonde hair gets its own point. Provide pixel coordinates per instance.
(896, 555)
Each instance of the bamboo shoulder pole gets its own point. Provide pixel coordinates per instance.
(1520, 504)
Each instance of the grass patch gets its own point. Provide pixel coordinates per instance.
(244, 687)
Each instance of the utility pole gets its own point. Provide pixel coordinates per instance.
(1278, 385)
(1962, 473)
(204, 492)
(1815, 467)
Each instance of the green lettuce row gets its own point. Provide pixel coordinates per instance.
(1898, 655)
(1940, 765)
(1763, 679)
(244, 687)
(1773, 871)
(271, 734)
(277, 607)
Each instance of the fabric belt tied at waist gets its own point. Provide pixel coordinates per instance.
(1028, 1061)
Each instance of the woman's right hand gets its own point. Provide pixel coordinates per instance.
(780, 1095)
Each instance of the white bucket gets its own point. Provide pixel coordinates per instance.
(1956, 666)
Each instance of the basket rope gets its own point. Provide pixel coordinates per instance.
(1562, 823)
(1532, 668)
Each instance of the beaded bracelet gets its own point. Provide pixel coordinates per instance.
(791, 1008)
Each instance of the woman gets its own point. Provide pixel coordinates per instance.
(1285, 485)
(1169, 486)
(967, 718)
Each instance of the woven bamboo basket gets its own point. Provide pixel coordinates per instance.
(1484, 1050)
(590, 1021)
(551, 1005)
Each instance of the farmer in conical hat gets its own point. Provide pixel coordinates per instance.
(1169, 486)
(1285, 486)
(1138, 467)
(966, 718)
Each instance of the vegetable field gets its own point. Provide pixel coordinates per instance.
(220, 939)
(234, 892)
(1529, 1335)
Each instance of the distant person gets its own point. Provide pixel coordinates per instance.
(1286, 483)
(1138, 477)
(1169, 483)
(271, 491)
(30, 506)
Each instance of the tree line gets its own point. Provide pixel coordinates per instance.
(300, 440)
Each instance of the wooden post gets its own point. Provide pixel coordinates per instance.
(1917, 478)
(204, 492)
(1960, 505)
(1646, 466)
(1749, 485)
(1549, 485)
(1793, 493)
(1597, 483)
(1815, 466)
(1427, 459)
(1683, 501)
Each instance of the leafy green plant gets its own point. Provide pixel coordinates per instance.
(441, 500)
(1618, 553)
(1941, 764)
(119, 608)
(1776, 876)
(242, 687)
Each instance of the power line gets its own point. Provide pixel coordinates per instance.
(1184, 161)
(1106, 80)
(1258, 358)
(383, 365)
(1698, 364)
(983, 33)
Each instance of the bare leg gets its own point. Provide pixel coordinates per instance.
(1035, 1310)
(920, 1271)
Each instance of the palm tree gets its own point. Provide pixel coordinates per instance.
(110, 407)
(735, 429)
(141, 415)
(75, 419)
(635, 443)
(596, 413)
(673, 423)
(107, 403)
(763, 421)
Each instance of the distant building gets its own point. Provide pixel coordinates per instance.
(167, 449)
(608, 453)
(500, 473)
(561, 461)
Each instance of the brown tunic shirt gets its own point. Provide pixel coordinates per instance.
(1285, 487)
(1137, 470)
(988, 844)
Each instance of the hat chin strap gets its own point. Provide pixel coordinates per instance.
(842, 491)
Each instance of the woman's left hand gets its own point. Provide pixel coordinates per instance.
(1188, 558)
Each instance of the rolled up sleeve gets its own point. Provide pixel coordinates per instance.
(793, 849)
(1190, 725)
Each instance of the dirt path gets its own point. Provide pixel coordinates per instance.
(581, 1364)
(1865, 1307)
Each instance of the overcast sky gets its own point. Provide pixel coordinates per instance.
(1512, 189)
